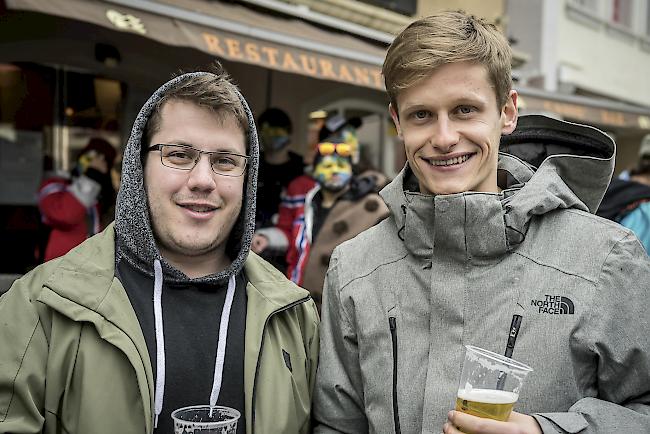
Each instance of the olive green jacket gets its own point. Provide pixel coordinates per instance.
(73, 358)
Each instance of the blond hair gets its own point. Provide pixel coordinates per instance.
(442, 38)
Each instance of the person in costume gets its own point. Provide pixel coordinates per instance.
(321, 211)
(78, 205)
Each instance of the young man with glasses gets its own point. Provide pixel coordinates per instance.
(322, 210)
(166, 308)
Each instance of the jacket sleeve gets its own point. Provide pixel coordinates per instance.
(611, 351)
(23, 357)
(338, 399)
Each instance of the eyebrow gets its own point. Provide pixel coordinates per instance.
(464, 99)
(190, 145)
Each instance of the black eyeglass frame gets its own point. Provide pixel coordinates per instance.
(159, 146)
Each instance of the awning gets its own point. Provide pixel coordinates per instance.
(586, 110)
(231, 32)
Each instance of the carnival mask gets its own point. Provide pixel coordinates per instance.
(333, 172)
(273, 138)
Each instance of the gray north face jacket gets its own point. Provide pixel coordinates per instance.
(403, 298)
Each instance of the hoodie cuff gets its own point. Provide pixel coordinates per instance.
(277, 239)
(85, 190)
(560, 423)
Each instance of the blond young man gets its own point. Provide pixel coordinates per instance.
(474, 237)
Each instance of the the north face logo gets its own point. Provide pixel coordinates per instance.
(554, 305)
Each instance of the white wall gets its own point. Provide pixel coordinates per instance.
(596, 56)
(570, 49)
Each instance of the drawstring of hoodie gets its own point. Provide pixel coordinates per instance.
(160, 342)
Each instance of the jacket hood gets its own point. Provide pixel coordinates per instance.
(134, 237)
(549, 165)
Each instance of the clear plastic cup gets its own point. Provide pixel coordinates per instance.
(203, 419)
(489, 384)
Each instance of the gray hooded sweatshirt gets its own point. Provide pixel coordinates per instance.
(451, 270)
(135, 240)
(183, 355)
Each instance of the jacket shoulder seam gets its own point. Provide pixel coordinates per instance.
(544, 264)
(353, 279)
(609, 254)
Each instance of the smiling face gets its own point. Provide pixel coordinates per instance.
(451, 126)
(192, 212)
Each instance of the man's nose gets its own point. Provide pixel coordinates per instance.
(445, 135)
(202, 177)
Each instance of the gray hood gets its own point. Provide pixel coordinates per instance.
(134, 237)
(575, 161)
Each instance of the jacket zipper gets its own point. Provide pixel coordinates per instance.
(257, 366)
(392, 323)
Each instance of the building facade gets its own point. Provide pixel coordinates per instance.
(588, 62)
(74, 69)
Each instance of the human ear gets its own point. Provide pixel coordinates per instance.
(395, 116)
(509, 113)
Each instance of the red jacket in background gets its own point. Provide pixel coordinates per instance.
(70, 208)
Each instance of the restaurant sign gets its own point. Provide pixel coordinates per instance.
(585, 113)
(292, 60)
(267, 54)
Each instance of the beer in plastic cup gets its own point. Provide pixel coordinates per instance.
(489, 384)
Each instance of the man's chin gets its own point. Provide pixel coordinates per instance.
(194, 248)
(446, 188)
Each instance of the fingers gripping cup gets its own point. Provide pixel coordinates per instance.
(204, 419)
(489, 384)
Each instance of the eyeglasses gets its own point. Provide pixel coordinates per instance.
(184, 157)
(328, 148)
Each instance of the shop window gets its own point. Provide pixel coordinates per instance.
(46, 116)
(91, 108)
(26, 113)
(621, 13)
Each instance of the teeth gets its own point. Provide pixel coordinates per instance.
(199, 208)
(450, 162)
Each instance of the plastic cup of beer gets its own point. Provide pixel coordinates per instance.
(204, 419)
(489, 384)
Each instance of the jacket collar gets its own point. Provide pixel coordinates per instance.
(576, 168)
(456, 227)
(473, 225)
